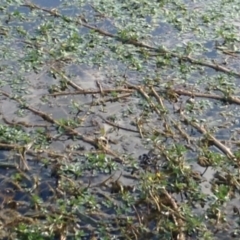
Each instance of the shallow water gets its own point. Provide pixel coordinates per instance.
(126, 111)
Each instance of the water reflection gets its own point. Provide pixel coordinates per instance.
(47, 3)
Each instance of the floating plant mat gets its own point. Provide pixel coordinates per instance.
(119, 120)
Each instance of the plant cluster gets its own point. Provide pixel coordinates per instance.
(119, 120)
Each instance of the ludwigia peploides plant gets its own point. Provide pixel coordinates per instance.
(119, 119)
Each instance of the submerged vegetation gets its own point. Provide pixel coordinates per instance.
(119, 120)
